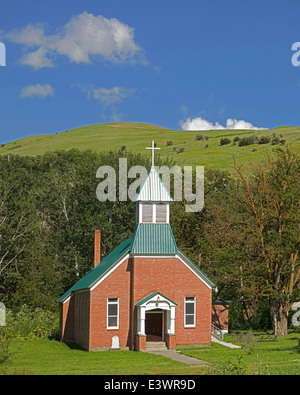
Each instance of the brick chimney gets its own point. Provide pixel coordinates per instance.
(97, 241)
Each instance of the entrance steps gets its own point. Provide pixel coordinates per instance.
(156, 346)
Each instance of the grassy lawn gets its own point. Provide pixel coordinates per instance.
(49, 357)
(281, 357)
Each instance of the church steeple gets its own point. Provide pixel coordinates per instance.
(153, 198)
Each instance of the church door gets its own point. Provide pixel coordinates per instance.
(153, 327)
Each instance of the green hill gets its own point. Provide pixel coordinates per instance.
(183, 146)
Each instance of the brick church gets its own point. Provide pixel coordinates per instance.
(145, 290)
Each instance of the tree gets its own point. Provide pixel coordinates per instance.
(271, 216)
(16, 214)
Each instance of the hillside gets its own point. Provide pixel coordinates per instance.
(183, 147)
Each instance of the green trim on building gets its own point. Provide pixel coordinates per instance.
(153, 239)
(93, 275)
(148, 239)
(144, 300)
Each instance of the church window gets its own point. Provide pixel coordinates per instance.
(161, 213)
(190, 311)
(147, 213)
(112, 313)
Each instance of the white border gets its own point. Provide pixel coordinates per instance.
(109, 271)
(197, 274)
(112, 327)
(195, 300)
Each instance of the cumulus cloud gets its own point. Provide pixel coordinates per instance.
(199, 123)
(37, 90)
(85, 36)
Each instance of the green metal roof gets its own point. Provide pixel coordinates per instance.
(148, 297)
(153, 239)
(93, 275)
(148, 239)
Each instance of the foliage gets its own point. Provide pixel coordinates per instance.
(28, 323)
(225, 141)
(6, 351)
(229, 367)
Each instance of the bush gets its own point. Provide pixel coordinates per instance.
(264, 140)
(248, 141)
(29, 323)
(277, 141)
(180, 150)
(229, 368)
(225, 141)
(5, 345)
(200, 137)
(169, 142)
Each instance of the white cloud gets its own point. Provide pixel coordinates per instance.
(37, 59)
(199, 123)
(109, 97)
(82, 38)
(37, 90)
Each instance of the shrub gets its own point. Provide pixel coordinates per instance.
(169, 142)
(264, 140)
(229, 368)
(29, 323)
(200, 137)
(180, 150)
(5, 346)
(248, 141)
(225, 141)
(277, 141)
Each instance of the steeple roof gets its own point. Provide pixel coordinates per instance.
(153, 189)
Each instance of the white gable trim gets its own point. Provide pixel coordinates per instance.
(67, 299)
(198, 274)
(158, 301)
(109, 271)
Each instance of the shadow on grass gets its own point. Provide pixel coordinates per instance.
(74, 346)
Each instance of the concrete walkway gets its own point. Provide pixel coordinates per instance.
(176, 356)
(230, 345)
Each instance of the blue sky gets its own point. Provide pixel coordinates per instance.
(178, 64)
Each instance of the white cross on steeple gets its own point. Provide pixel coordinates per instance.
(152, 148)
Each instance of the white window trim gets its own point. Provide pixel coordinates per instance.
(185, 301)
(117, 303)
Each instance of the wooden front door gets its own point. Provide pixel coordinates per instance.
(153, 327)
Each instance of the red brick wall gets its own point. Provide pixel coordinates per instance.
(168, 276)
(174, 280)
(116, 285)
(67, 320)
